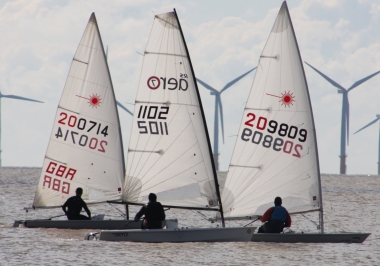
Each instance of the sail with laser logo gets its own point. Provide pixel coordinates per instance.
(85, 148)
(275, 152)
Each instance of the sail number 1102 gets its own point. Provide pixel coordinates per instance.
(147, 115)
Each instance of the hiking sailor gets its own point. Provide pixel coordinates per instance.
(75, 205)
(154, 214)
(276, 218)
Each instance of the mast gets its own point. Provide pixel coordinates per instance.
(204, 122)
(0, 131)
(114, 96)
(113, 92)
(312, 118)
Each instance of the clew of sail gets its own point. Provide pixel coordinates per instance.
(85, 148)
(275, 152)
(169, 153)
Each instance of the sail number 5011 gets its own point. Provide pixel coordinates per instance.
(153, 112)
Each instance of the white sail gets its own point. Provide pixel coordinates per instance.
(275, 152)
(169, 153)
(85, 148)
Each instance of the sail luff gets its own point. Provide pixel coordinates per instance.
(113, 92)
(204, 122)
(312, 119)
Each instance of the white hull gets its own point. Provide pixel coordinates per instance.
(227, 234)
(311, 238)
(85, 224)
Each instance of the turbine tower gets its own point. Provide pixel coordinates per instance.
(219, 110)
(11, 97)
(373, 122)
(345, 114)
(117, 102)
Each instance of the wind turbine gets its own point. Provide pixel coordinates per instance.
(345, 114)
(373, 122)
(219, 106)
(11, 97)
(117, 102)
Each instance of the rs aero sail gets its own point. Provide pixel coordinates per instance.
(169, 151)
(276, 149)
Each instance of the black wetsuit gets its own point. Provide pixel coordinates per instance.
(75, 205)
(154, 215)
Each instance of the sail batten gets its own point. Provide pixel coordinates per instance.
(275, 152)
(180, 55)
(85, 148)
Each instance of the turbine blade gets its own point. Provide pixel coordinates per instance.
(19, 98)
(357, 83)
(124, 108)
(221, 115)
(371, 123)
(229, 84)
(327, 78)
(207, 86)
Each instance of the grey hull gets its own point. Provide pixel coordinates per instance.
(81, 224)
(226, 234)
(311, 238)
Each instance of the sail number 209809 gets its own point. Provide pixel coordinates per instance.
(288, 135)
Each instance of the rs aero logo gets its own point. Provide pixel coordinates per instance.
(181, 84)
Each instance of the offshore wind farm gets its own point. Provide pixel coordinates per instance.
(16, 98)
(345, 121)
(378, 157)
(224, 39)
(219, 113)
(334, 38)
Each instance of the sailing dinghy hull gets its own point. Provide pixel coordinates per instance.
(85, 224)
(226, 234)
(311, 238)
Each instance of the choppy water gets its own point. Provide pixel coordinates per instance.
(351, 204)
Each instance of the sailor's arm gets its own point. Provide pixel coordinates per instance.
(140, 213)
(288, 221)
(86, 209)
(266, 215)
(64, 207)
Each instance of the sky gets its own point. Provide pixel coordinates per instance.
(225, 39)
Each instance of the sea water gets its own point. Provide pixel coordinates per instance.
(351, 204)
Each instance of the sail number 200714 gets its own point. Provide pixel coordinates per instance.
(73, 130)
(281, 137)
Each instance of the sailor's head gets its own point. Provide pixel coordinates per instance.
(277, 201)
(152, 197)
(79, 191)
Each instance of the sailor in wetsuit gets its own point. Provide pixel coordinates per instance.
(154, 214)
(276, 218)
(75, 205)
